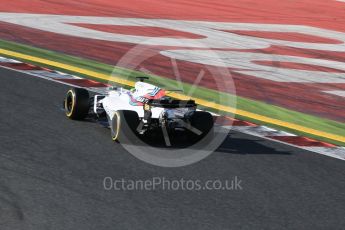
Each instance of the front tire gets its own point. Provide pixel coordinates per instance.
(76, 103)
(124, 124)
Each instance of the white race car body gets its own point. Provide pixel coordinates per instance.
(120, 100)
(135, 100)
(142, 109)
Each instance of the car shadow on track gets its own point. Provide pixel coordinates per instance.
(238, 145)
(234, 143)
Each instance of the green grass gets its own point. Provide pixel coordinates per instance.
(249, 105)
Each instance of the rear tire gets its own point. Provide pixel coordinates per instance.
(124, 124)
(202, 121)
(76, 103)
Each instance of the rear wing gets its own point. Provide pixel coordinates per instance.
(171, 103)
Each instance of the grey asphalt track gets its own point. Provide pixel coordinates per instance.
(52, 171)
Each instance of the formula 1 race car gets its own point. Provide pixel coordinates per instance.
(142, 109)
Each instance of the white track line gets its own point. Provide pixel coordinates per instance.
(340, 93)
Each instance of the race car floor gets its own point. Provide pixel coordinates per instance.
(52, 171)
